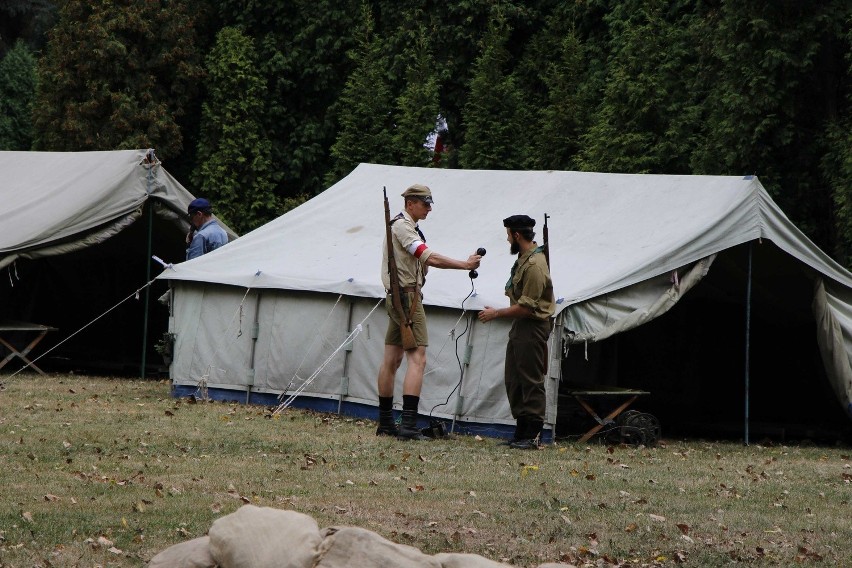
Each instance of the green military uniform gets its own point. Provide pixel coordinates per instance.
(526, 352)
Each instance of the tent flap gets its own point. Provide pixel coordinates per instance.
(832, 308)
(623, 310)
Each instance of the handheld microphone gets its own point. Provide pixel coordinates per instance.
(473, 273)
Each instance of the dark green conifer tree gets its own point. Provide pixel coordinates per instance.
(417, 105)
(17, 90)
(116, 75)
(234, 153)
(495, 114)
(365, 108)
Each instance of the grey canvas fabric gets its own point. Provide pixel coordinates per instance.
(624, 249)
(57, 202)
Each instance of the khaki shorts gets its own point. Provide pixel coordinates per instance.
(418, 319)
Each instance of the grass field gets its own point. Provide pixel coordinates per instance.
(107, 472)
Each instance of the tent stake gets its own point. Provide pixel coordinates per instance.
(747, 339)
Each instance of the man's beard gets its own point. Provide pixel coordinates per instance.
(514, 248)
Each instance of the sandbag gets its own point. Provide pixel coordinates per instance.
(262, 537)
(193, 553)
(343, 547)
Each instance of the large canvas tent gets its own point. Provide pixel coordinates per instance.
(274, 312)
(78, 233)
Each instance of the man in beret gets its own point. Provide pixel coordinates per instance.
(413, 259)
(531, 306)
(205, 234)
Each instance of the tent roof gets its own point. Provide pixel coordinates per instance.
(607, 231)
(51, 202)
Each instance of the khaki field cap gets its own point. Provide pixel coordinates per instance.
(419, 191)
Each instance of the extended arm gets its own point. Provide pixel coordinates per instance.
(440, 261)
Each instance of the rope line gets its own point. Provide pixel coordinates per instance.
(311, 346)
(134, 294)
(201, 385)
(351, 337)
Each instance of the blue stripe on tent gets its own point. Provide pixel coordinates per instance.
(353, 409)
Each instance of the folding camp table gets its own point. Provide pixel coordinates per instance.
(624, 397)
(9, 326)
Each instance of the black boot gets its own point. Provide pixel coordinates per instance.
(520, 428)
(387, 426)
(531, 436)
(408, 427)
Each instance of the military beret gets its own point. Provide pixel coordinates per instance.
(519, 222)
(419, 191)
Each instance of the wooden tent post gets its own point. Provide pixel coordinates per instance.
(151, 162)
(747, 340)
(147, 288)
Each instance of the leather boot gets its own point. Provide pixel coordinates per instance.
(408, 427)
(520, 428)
(387, 426)
(532, 436)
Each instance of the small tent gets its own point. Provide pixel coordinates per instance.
(78, 233)
(294, 306)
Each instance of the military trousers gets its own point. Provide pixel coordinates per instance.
(526, 365)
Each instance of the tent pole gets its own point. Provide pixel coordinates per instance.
(147, 288)
(344, 380)
(747, 341)
(255, 333)
(468, 350)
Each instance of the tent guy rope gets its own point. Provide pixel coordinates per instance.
(349, 338)
(221, 348)
(134, 294)
(311, 346)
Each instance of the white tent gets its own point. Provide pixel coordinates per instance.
(58, 202)
(263, 314)
(78, 233)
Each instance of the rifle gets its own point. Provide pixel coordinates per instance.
(408, 341)
(545, 235)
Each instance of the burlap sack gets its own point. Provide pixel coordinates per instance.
(346, 547)
(193, 553)
(459, 560)
(261, 537)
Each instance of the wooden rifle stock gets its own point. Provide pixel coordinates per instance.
(408, 341)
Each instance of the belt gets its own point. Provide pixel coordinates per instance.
(411, 289)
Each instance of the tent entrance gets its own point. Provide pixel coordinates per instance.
(692, 359)
(68, 291)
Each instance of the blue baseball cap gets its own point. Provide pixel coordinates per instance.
(199, 204)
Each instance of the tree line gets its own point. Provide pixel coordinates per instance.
(261, 105)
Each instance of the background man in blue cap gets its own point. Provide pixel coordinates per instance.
(205, 234)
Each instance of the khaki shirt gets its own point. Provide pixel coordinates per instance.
(530, 284)
(411, 270)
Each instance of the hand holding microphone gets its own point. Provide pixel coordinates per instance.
(473, 273)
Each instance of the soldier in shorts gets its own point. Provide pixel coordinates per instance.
(413, 258)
